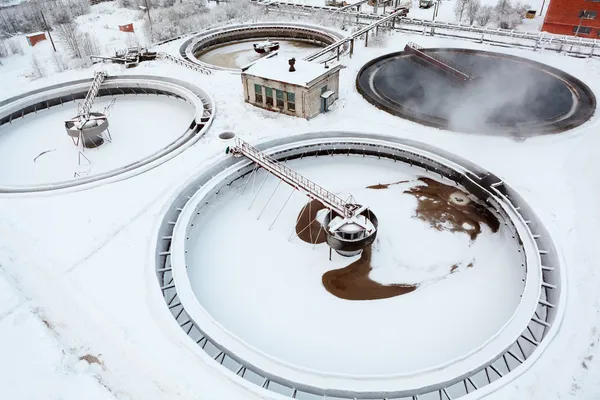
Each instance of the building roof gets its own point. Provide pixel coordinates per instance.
(276, 67)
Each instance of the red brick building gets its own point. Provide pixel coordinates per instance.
(573, 17)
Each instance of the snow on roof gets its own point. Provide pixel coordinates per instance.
(276, 67)
(35, 34)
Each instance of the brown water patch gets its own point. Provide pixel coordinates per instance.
(380, 186)
(436, 208)
(307, 227)
(353, 282)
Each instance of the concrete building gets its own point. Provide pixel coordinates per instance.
(573, 17)
(305, 92)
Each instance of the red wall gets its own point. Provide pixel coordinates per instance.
(563, 15)
(126, 28)
(33, 39)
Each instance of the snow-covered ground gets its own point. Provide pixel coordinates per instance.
(39, 148)
(268, 290)
(83, 262)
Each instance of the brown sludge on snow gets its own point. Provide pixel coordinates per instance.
(380, 186)
(436, 207)
(308, 228)
(351, 282)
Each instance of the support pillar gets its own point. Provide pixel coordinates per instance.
(338, 53)
(351, 47)
(367, 39)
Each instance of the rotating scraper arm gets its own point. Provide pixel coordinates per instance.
(292, 178)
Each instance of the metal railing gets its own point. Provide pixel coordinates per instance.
(574, 45)
(450, 67)
(390, 17)
(185, 63)
(293, 178)
(86, 106)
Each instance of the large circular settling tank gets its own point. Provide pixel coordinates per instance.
(434, 263)
(133, 123)
(506, 95)
(450, 283)
(232, 47)
(240, 54)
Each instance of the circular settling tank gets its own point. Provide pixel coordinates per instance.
(36, 150)
(452, 295)
(240, 54)
(264, 273)
(505, 95)
(231, 47)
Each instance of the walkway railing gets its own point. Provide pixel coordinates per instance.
(397, 14)
(437, 61)
(185, 63)
(292, 178)
(533, 40)
(86, 106)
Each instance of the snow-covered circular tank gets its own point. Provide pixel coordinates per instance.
(145, 130)
(452, 284)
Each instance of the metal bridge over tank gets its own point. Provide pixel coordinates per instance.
(388, 20)
(349, 227)
(437, 63)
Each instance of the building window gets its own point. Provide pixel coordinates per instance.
(258, 93)
(291, 98)
(585, 14)
(583, 30)
(279, 98)
(269, 96)
(323, 89)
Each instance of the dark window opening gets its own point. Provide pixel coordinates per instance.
(279, 98)
(258, 93)
(583, 30)
(269, 96)
(291, 99)
(587, 14)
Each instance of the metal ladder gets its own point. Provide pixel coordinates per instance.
(294, 179)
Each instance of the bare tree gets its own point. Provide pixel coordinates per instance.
(36, 68)
(459, 9)
(484, 15)
(3, 49)
(15, 46)
(59, 61)
(507, 15)
(472, 10)
(69, 35)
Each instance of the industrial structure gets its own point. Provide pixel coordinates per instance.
(437, 63)
(289, 86)
(573, 17)
(349, 227)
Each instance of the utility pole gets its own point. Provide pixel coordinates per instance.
(48, 30)
(542, 9)
(149, 19)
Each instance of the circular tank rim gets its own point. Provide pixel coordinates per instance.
(187, 47)
(203, 116)
(539, 128)
(379, 384)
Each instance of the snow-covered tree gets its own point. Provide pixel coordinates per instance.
(459, 9)
(473, 10)
(507, 15)
(484, 15)
(37, 71)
